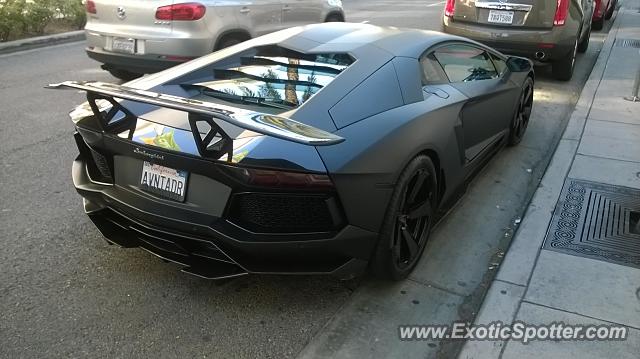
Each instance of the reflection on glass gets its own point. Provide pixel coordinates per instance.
(153, 134)
(175, 139)
(275, 77)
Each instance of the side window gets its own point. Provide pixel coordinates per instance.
(463, 63)
(432, 73)
(500, 64)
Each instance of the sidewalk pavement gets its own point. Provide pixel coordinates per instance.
(41, 41)
(594, 279)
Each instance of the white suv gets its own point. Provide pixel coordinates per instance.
(133, 37)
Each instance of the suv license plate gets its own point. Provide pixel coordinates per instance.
(164, 181)
(125, 46)
(500, 17)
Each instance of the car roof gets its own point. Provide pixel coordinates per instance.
(353, 37)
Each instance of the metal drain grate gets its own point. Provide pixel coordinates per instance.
(597, 221)
(627, 43)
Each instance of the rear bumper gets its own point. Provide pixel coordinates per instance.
(153, 53)
(143, 64)
(556, 42)
(212, 247)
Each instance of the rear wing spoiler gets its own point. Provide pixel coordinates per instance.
(266, 124)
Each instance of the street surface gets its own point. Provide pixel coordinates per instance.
(64, 292)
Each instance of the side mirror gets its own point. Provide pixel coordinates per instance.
(519, 64)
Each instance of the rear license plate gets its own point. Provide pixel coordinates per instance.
(500, 17)
(164, 181)
(125, 46)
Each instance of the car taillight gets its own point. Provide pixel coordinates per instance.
(449, 8)
(281, 179)
(562, 10)
(90, 6)
(182, 12)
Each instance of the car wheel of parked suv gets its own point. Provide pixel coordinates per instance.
(563, 68)
(598, 24)
(230, 40)
(334, 18)
(612, 8)
(584, 44)
(124, 74)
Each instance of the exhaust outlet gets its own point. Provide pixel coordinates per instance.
(540, 55)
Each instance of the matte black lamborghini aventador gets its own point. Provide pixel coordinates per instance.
(318, 149)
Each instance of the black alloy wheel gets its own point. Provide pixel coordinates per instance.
(408, 222)
(413, 221)
(522, 114)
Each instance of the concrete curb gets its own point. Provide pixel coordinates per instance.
(41, 41)
(517, 267)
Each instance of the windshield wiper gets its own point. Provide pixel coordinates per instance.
(253, 100)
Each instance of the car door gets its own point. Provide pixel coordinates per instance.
(262, 16)
(301, 12)
(487, 113)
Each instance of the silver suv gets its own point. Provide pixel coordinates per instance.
(133, 37)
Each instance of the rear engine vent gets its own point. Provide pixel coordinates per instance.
(98, 165)
(285, 213)
(101, 164)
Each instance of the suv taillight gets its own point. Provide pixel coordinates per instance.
(449, 8)
(182, 12)
(562, 10)
(90, 6)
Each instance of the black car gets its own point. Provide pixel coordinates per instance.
(315, 150)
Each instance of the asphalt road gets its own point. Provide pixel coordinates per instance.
(65, 293)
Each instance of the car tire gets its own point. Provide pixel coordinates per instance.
(612, 7)
(597, 24)
(403, 238)
(522, 114)
(229, 41)
(334, 18)
(562, 68)
(124, 74)
(584, 44)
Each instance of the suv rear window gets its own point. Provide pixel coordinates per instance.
(274, 76)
